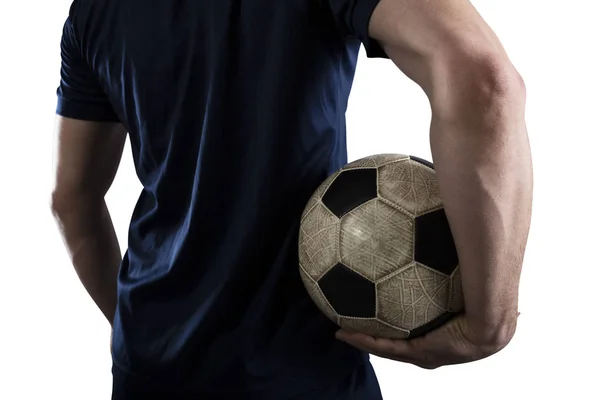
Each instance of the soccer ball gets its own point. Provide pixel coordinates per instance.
(376, 252)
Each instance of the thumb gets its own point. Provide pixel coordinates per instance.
(342, 334)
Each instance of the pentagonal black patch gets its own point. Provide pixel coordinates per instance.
(351, 189)
(428, 327)
(350, 294)
(421, 161)
(434, 244)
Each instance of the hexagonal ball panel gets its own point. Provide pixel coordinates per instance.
(351, 189)
(413, 297)
(373, 327)
(350, 294)
(318, 241)
(434, 243)
(410, 185)
(376, 239)
(318, 297)
(375, 161)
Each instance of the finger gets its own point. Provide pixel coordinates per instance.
(360, 341)
(366, 341)
(376, 349)
(414, 351)
(380, 347)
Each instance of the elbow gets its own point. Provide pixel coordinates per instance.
(497, 85)
(59, 204)
(477, 89)
(494, 76)
(65, 202)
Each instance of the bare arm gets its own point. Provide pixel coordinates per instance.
(479, 144)
(483, 163)
(86, 160)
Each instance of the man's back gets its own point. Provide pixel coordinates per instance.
(236, 113)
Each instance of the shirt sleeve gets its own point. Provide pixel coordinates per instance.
(80, 95)
(352, 18)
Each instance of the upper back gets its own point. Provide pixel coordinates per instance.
(191, 65)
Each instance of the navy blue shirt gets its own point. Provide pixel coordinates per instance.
(236, 113)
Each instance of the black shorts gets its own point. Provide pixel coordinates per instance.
(361, 384)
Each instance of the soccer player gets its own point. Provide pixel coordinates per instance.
(235, 113)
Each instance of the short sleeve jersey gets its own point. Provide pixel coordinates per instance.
(235, 111)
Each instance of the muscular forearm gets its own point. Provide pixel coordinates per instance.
(90, 239)
(483, 163)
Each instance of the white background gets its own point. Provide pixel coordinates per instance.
(54, 342)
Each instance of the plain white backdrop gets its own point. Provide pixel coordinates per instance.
(54, 343)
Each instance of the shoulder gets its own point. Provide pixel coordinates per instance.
(82, 11)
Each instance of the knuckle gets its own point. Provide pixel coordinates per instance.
(429, 366)
(429, 363)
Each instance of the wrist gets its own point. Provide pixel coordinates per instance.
(497, 331)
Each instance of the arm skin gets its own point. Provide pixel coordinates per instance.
(86, 160)
(481, 151)
(479, 144)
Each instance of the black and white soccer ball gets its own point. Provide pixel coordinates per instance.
(376, 252)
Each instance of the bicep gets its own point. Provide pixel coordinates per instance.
(86, 157)
(422, 37)
(89, 137)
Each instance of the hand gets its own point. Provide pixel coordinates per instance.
(452, 343)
